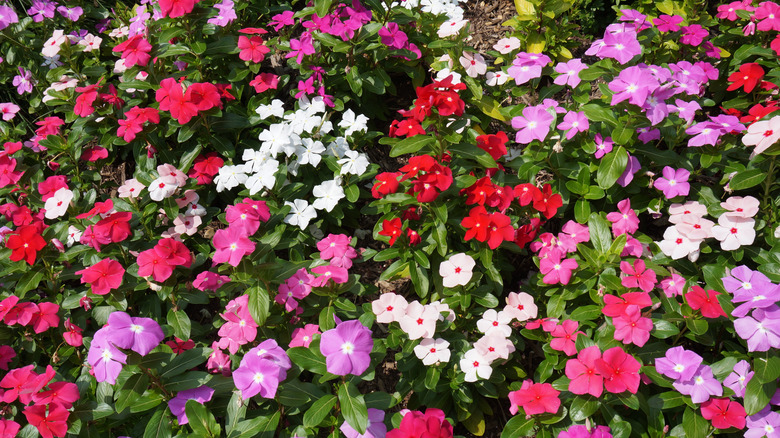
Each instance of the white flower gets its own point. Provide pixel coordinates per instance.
(777, 232)
(353, 123)
(275, 108)
(354, 163)
(474, 364)
(119, 66)
(300, 213)
(315, 106)
(57, 205)
(494, 346)
(442, 75)
(74, 235)
(451, 27)
(90, 42)
(310, 152)
(196, 210)
(328, 194)
(338, 147)
(51, 62)
(120, 32)
(495, 322)
(457, 270)
(676, 245)
(474, 64)
(161, 188)
(230, 177)
(431, 351)
(419, 321)
(265, 177)
(255, 160)
(496, 78)
(734, 232)
(507, 45)
(277, 138)
(52, 46)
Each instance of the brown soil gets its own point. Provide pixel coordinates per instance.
(486, 18)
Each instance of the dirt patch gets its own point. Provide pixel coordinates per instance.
(486, 18)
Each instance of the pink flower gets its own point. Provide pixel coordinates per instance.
(389, 307)
(419, 321)
(762, 135)
(534, 124)
(769, 15)
(302, 337)
(556, 270)
(338, 274)
(620, 371)
(218, 362)
(564, 335)
(210, 281)
(673, 286)
(694, 34)
(232, 245)
(535, 398)
(674, 182)
(574, 122)
(585, 379)
(625, 221)
(474, 64)
(240, 327)
(8, 110)
(734, 232)
(603, 147)
(520, 306)
(632, 327)
(570, 72)
(150, 263)
(638, 275)
(667, 23)
(738, 206)
(103, 276)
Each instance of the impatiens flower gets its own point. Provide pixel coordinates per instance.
(734, 232)
(584, 378)
(431, 351)
(737, 381)
(200, 394)
(457, 270)
(674, 182)
(346, 348)
(103, 276)
(139, 334)
(535, 398)
(376, 427)
(620, 371)
(701, 386)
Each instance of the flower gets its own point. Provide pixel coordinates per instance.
(701, 386)
(620, 371)
(24, 243)
(389, 307)
(431, 351)
(534, 124)
(724, 413)
(300, 213)
(584, 378)
(106, 360)
(415, 424)
(734, 232)
(564, 337)
(457, 270)
(761, 330)
(23, 81)
(765, 423)
(738, 379)
(392, 229)
(638, 275)
(474, 64)
(762, 135)
(570, 72)
(748, 76)
(678, 364)
(51, 424)
(673, 183)
(507, 45)
(103, 276)
(419, 321)
(535, 398)
(139, 334)
(625, 220)
(706, 301)
(475, 364)
(346, 348)
(375, 429)
(176, 8)
(556, 270)
(302, 337)
(201, 394)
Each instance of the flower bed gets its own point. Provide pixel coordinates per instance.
(251, 219)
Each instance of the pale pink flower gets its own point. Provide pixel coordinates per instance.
(474, 64)
(172, 175)
(442, 308)
(91, 42)
(457, 270)
(419, 321)
(507, 45)
(495, 322)
(130, 189)
(494, 346)
(695, 228)
(52, 46)
(389, 307)
(475, 364)
(738, 206)
(496, 78)
(431, 351)
(762, 135)
(734, 232)
(186, 224)
(691, 209)
(676, 245)
(8, 110)
(520, 306)
(161, 188)
(451, 27)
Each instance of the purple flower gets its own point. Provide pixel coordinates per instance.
(226, 14)
(637, 18)
(376, 426)
(279, 21)
(647, 135)
(686, 110)
(41, 9)
(765, 423)
(141, 335)
(737, 381)
(201, 395)
(604, 146)
(138, 21)
(302, 47)
(256, 375)
(570, 72)
(106, 360)
(533, 124)
(674, 182)
(751, 288)
(761, 332)
(270, 350)
(23, 81)
(678, 363)
(7, 16)
(527, 66)
(701, 386)
(729, 124)
(632, 167)
(574, 122)
(635, 84)
(704, 133)
(392, 36)
(622, 46)
(346, 348)
(72, 14)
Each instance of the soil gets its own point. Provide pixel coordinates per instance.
(486, 18)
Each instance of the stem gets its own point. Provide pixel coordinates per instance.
(766, 199)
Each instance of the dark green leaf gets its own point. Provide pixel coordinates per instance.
(201, 420)
(600, 235)
(694, 424)
(159, 426)
(319, 410)
(258, 304)
(411, 145)
(185, 361)
(353, 407)
(747, 178)
(767, 367)
(611, 167)
(583, 407)
(180, 322)
(757, 395)
(518, 426)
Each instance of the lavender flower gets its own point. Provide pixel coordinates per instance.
(23, 81)
(761, 330)
(678, 364)
(226, 14)
(737, 381)
(7, 16)
(42, 9)
(346, 348)
(201, 394)
(701, 386)
(141, 335)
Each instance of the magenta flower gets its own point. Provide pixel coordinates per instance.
(647, 135)
(673, 286)
(23, 81)
(570, 72)
(301, 47)
(574, 122)
(326, 273)
(668, 23)
(533, 124)
(635, 84)
(346, 348)
(761, 330)
(141, 335)
(201, 394)
(564, 337)
(632, 167)
(603, 147)
(232, 245)
(279, 21)
(638, 275)
(337, 249)
(210, 281)
(693, 35)
(582, 372)
(302, 337)
(622, 46)
(674, 182)
(240, 327)
(631, 327)
(678, 364)
(557, 271)
(625, 220)
(256, 375)
(7, 16)
(392, 36)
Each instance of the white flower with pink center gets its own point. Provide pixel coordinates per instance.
(495, 322)
(457, 270)
(389, 307)
(431, 351)
(475, 365)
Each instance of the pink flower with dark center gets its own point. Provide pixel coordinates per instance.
(535, 398)
(564, 336)
(638, 275)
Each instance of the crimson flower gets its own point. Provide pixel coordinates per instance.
(252, 49)
(476, 224)
(135, 51)
(51, 424)
(705, 301)
(546, 202)
(749, 75)
(392, 229)
(499, 230)
(24, 243)
(103, 276)
(205, 167)
(724, 413)
(176, 8)
(387, 182)
(150, 263)
(203, 95)
(45, 317)
(494, 144)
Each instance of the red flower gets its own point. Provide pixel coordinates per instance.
(547, 203)
(49, 425)
(415, 424)
(99, 208)
(620, 371)
(150, 263)
(174, 252)
(476, 224)
(265, 81)
(115, 227)
(526, 193)
(392, 229)
(103, 276)
(527, 232)
(25, 243)
(499, 230)
(494, 144)
(203, 95)
(94, 153)
(749, 75)
(206, 167)
(417, 164)
(758, 111)
(252, 49)
(179, 346)
(59, 393)
(387, 182)
(176, 8)
(724, 413)
(501, 198)
(479, 192)
(135, 51)
(85, 100)
(414, 237)
(615, 307)
(535, 398)
(407, 127)
(706, 301)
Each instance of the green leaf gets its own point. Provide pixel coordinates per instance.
(258, 304)
(159, 426)
(432, 378)
(321, 7)
(296, 393)
(28, 282)
(353, 406)
(131, 390)
(319, 410)
(598, 113)
(600, 235)
(767, 367)
(308, 358)
(757, 395)
(189, 157)
(586, 313)
(470, 151)
(664, 329)
(694, 424)
(611, 167)
(201, 420)
(353, 192)
(411, 145)
(583, 407)
(185, 361)
(258, 427)
(180, 322)
(518, 426)
(747, 179)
